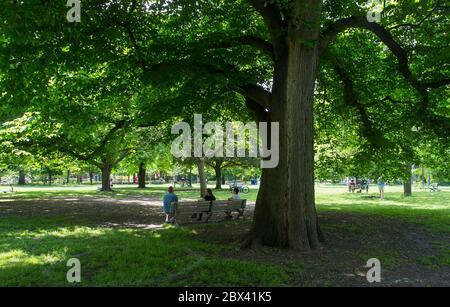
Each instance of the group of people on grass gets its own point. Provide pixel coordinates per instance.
(357, 186)
(171, 197)
(353, 185)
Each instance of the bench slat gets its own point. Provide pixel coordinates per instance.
(216, 211)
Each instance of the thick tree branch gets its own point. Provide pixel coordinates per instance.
(55, 144)
(126, 25)
(104, 142)
(249, 40)
(254, 92)
(351, 98)
(417, 25)
(260, 114)
(257, 94)
(389, 98)
(436, 84)
(273, 20)
(386, 37)
(123, 155)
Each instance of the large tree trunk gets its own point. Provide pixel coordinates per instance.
(141, 176)
(202, 176)
(407, 183)
(218, 171)
(22, 179)
(285, 213)
(106, 177)
(407, 188)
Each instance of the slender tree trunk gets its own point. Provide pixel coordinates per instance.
(202, 176)
(285, 213)
(68, 176)
(91, 178)
(190, 176)
(22, 179)
(141, 176)
(106, 177)
(407, 188)
(407, 183)
(218, 171)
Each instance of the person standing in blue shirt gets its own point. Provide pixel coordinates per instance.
(169, 198)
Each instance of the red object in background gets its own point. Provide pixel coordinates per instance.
(135, 179)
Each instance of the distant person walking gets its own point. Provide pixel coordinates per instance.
(169, 198)
(381, 185)
(353, 185)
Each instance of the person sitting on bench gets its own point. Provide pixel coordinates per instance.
(208, 197)
(169, 198)
(235, 195)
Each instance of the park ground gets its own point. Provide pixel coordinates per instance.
(120, 240)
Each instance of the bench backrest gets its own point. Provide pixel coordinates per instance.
(229, 204)
(190, 206)
(184, 211)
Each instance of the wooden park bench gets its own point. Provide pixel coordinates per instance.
(201, 212)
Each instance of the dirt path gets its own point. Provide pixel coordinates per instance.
(352, 239)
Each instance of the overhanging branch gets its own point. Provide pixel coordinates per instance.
(351, 98)
(272, 18)
(386, 37)
(248, 40)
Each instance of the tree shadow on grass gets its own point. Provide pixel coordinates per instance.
(34, 252)
(117, 247)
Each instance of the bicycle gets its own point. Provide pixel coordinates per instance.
(242, 188)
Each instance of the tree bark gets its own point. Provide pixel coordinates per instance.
(190, 176)
(407, 183)
(422, 175)
(407, 188)
(285, 213)
(141, 175)
(22, 179)
(202, 176)
(218, 171)
(106, 177)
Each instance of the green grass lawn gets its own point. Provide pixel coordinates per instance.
(34, 249)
